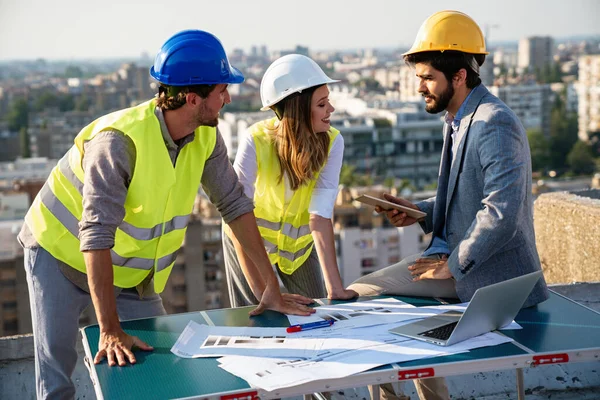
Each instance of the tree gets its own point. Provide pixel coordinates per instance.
(555, 73)
(347, 177)
(389, 182)
(66, 102)
(18, 116)
(364, 180)
(382, 123)
(563, 133)
(406, 184)
(82, 103)
(540, 149)
(431, 186)
(502, 70)
(581, 159)
(24, 143)
(369, 84)
(550, 73)
(73, 71)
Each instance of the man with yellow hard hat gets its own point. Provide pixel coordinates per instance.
(481, 218)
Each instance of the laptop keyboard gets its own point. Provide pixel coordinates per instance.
(441, 332)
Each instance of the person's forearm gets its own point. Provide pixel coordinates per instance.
(251, 272)
(246, 233)
(100, 281)
(322, 232)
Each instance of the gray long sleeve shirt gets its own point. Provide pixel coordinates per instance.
(108, 162)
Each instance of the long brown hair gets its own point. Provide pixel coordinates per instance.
(301, 152)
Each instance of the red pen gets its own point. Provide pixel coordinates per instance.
(312, 325)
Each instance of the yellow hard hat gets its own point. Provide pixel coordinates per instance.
(449, 30)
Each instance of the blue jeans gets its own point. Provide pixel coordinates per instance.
(56, 305)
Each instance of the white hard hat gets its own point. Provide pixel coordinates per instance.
(290, 74)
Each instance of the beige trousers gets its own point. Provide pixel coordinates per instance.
(397, 280)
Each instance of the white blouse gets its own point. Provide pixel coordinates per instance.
(326, 188)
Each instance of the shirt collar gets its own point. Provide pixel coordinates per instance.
(169, 142)
(454, 122)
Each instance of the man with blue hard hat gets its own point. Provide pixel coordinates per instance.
(106, 226)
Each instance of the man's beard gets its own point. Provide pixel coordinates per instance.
(210, 122)
(204, 119)
(440, 103)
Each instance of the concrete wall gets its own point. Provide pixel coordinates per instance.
(567, 227)
(17, 370)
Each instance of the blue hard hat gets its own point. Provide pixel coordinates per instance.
(193, 57)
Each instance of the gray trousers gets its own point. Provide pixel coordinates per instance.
(397, 280)
(306, 280)
(56, 305)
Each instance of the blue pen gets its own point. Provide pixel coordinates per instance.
(312, 325)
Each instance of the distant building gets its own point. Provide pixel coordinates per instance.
(388, 77)
(24, 169)
(531, 103)
(264, 52)
(15, 316)
(14, 300)
(535, 52)
(53, 133)
(408, 84)
(589, 96)
(568, 94)
(505, 57)
(10, 144)
(486, 71)
(234, 126)
(365, 241)
(407, 148)
(197, 281)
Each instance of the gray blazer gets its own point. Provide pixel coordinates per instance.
(486, 197)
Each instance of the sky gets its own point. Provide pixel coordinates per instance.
(83, 29)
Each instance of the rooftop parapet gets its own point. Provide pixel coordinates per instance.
(567, 228)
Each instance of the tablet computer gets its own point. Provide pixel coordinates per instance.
(388, 205)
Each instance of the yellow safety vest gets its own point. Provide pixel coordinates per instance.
(284, 227)
(158, 205)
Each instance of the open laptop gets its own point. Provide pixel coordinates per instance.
(491, 307)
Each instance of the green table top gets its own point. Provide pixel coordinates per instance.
(558, 324)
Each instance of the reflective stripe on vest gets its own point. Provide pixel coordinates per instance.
(284, 227)
(177, 222)
(158, 206)
(272, 248)
(72, 224)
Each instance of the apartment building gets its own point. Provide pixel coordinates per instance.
(589, 96)
(535, 52)
(365, 241)
(531, 103)
(409, 149)
(197, 281)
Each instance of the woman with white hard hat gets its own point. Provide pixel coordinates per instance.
(290, 165)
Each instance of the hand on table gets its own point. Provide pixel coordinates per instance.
(293, 304)
(342, 294)
(116, 346)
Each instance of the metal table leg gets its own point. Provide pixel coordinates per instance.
(374, 391)
(520, 384)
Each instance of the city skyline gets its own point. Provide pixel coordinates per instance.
(66, 30)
